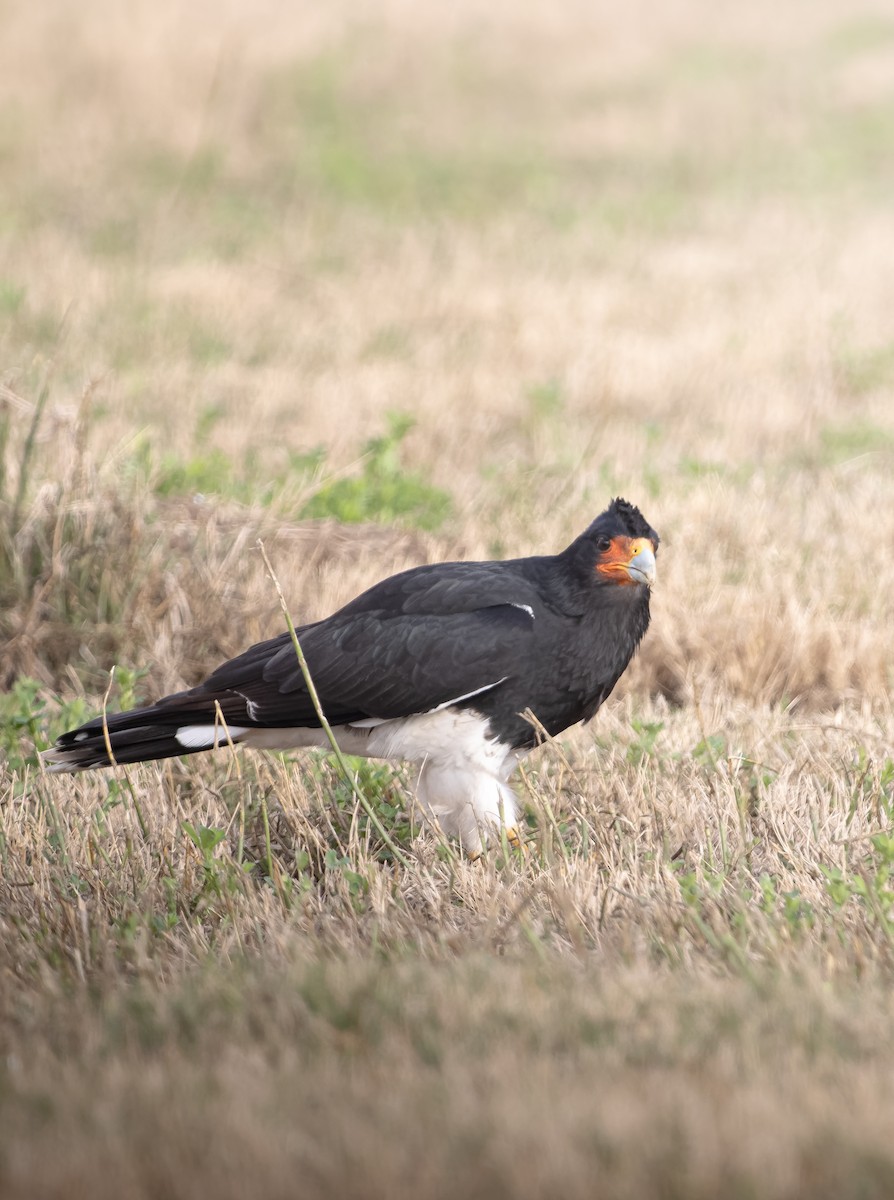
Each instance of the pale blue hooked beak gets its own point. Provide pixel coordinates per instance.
(641, 567)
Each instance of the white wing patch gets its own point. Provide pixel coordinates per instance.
(204, 737)
(525, 608)
(372, 722)
(468, 695)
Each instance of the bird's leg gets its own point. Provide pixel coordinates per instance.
(470, 804)
(513, 840)
(496, 810)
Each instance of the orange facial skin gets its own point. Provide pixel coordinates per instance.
(615, 561)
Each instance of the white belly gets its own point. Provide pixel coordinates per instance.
(463, 773)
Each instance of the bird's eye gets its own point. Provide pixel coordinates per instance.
(603, 543)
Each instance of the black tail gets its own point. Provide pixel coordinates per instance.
(141, 735)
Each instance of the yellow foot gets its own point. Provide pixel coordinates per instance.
(514, 839)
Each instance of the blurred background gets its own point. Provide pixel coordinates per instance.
(385, 282)
(468, 271)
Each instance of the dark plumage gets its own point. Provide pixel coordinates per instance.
(435, 665)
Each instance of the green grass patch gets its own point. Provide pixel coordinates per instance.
(861, 33)
(354, 147)
(31, 719)
(12, 297)
(866, 370)
(384, 490)
(839, 443)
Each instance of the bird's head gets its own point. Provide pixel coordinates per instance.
(618, 549)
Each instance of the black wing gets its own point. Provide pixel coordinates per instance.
(412, 643)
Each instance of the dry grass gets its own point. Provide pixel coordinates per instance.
(590, 250)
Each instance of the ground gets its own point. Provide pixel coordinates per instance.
(392, 283)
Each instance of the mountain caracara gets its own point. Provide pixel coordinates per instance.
(435, 665)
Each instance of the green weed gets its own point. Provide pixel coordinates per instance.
(643, 747)
(12, 297)
(862, 371)
(842, 442)
(867, 875)
(30, 719)
(209, 474)
(385, 490)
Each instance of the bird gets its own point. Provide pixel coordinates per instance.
(442, 665)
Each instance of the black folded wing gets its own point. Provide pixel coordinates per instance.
(411, 644)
